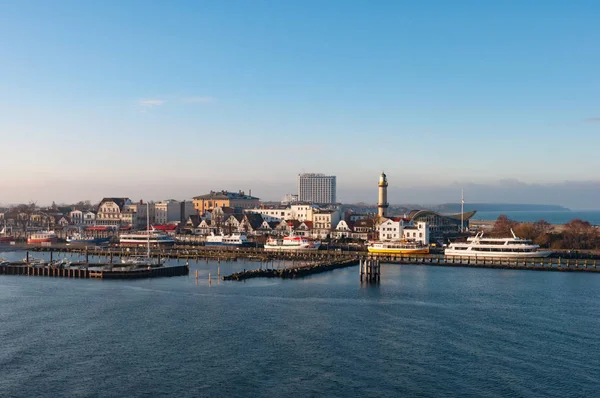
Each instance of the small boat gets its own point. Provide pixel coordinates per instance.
(3, 262)
(34, 261)
(397, 247)
(291, 243)
(88, 240)
(478, 246)
(237, 239)
(137, 260)
(62, 263)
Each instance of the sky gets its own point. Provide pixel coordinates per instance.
(160, 99)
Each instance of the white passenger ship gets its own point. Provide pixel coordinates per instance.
(478, 246)
(143, 238)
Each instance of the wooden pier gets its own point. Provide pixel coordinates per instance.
(292, 272)
(100, 271)
(534, 264)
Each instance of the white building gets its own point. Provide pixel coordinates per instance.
(419, 232)
(109, 211)
(316, 188)
(76, 217)
(324, 221)
(173, 211)
(89, 218)
(289, 198)
(394, 229)
(391, 229)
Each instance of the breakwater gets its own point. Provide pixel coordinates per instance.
(294, 272)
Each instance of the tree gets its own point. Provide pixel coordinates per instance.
(579, 234)
(503, 225)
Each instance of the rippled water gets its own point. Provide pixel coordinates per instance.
(424, 331)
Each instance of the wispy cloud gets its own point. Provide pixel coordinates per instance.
(151, 103)
(593, 120)
(203, 100)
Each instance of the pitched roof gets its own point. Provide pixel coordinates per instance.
(118, 201)
(255, 220)
(194, 219)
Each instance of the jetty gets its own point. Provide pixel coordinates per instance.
(533, 264)
(293, 272)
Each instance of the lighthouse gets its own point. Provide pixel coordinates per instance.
(383, 204)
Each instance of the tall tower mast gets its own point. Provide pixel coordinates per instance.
(383, 204)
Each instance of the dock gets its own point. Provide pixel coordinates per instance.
(93, 271)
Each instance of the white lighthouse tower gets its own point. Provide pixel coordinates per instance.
(383, 204)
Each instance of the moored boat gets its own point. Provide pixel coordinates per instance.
(42, 237)
(236, 239)
(397, 247)
(5, 237)
(291, 243)
(88, 240)
(143, 238)
(478, 246)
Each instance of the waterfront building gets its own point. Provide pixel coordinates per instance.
(76, 217)
(391, 228)
(296, 211)
(109, 211)
(89, 218)
(397, 228)
(134, 214)
(343, 229)
(317, 188)
(214, 199)
(382, 203)
(324, 221)
(172, 211)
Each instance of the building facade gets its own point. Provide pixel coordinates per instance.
(173, 211)
(109, 211)
(208, 202)
(316, 188)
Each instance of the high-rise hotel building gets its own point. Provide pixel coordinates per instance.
(316, 188)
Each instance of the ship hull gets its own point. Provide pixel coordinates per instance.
(97, 241)
(43, 240)
(377, 250)
(466, 253)
(221, 244)
(145, 243)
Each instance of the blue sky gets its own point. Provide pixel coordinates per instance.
(171, 99)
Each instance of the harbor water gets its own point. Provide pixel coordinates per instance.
(423, 331)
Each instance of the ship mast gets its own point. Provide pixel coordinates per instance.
(462, 210)
(148, 227)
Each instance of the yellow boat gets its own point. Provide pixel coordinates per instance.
(398, 247)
